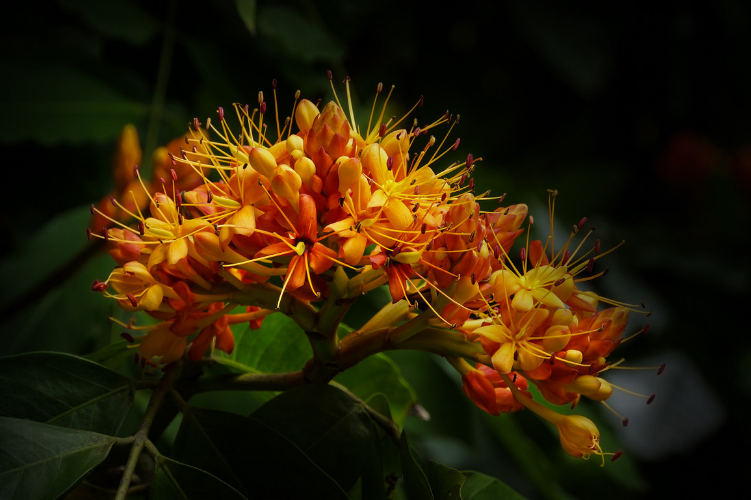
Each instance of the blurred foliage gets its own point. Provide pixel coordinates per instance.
(639, 116)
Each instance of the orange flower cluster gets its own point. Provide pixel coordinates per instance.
(272, 218)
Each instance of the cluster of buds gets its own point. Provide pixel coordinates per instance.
(306, 222)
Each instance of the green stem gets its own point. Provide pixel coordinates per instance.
(142, 435)
(251, 382)
(266, 296)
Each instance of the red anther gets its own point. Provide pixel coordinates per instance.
(566, 256)
(423, 228)
(625, 422)
(422, 100)
(246, 108)
(597, 246)
(443, 197)
(470, 159)
(500, 200)
(180, 219)
(651, 398)
(472, 184)
(132, 300)
(136, 171)
(581, 223)
(92, 209)
(263, 108)
(462, 179)
(347, 79)
(590, 265)
(417, 131)
(447, 116)
(552, 359)
(662, 369)
(516, 355)
(416, 207)
(105, 234)
(173, 174)
(221, 113)
(559, 282)
(497, 252)
(429, 246)
(382, 130)
(328, 74)
(137, 358)
(471, 236)
(141, 228)
(389, 160)
(457, 119)
(186, 140)
(161, 179)
(645, 329)
(128, 337)
(605, 272)
(273, 83)
(523, 254)
(456, 143)
(473, 279)
(178, 201)
(417, 189)
(379, 88)
(479, 246)
(88, 234)
(196, 124)
(113, 201)
(209, 197)
(98, 286)
(616, 456)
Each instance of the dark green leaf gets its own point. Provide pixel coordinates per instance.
(54, 103)
(444, 481)
(119, 19)
(112, 356)
(247, 454)
(173, 480)
(278, 346)
(380, 375)
(415, 481)
(43, 461)
(333, 429)
(481, 487)
(64, 390)
(247, 11)
(297, 36)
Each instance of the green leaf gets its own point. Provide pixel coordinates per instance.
(54, 103)
(247, 454)
(43, 461)
(331, 427)
(415, 481)
(246, 9)
(173, 480)
(481, 487)
(120, 19)
(278, 346)
(296, 36)
(380, 375)
(64, 390)
(111, 356)
(444, 481)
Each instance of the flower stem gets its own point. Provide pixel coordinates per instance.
(142, 435)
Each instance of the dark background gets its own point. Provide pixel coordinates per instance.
(637, 115)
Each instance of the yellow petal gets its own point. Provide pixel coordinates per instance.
(503, 359)
(152, 299)
(178, 249)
